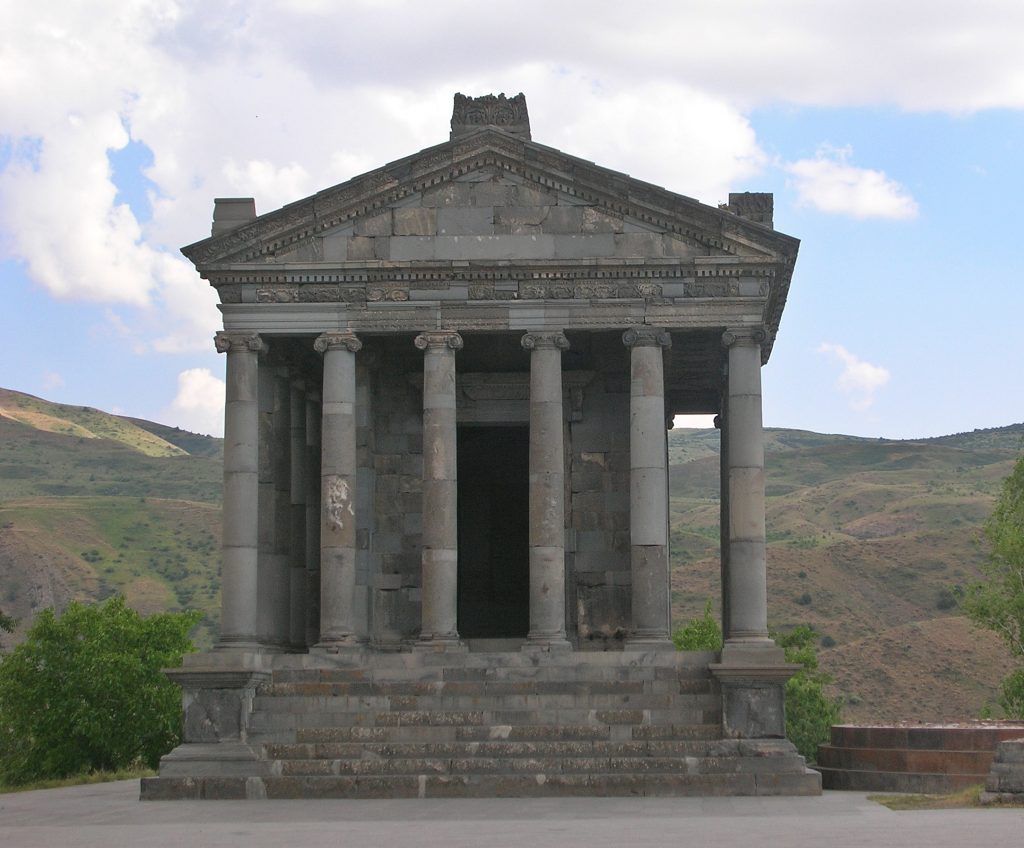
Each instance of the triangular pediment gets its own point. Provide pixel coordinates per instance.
(493, 196)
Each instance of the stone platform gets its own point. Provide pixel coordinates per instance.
(912, 758)
(425, 724)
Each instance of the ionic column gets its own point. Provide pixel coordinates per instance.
(239, 621)
(547, 491)
(297, 490)
(439, 591)
(338, 490)
(747, 603)
(648, 488)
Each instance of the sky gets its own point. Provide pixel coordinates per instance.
(891, 134)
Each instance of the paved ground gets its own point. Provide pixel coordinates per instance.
(110, 815)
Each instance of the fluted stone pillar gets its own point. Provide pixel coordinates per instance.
(747, 605)
(439, 590)
(239, 619)
(297, 492)
(648, 488)
(338, 491)
(547, 491)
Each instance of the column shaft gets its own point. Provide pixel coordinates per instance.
(338, 491)
(439, 591)
(239, 619)
(547, 491)
(312, 593)
(297, 491)
(747, 558)
(648, 488)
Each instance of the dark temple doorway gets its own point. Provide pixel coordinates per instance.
(494, 552)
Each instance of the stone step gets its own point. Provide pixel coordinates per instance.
(508, 733)
(264, 720)
(476, 703)
(485, 765)
(484, 785)
(920, 761)
(484, 688)
(493, 671)
(461, 750)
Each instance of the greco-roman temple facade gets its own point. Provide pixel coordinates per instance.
(446, 517)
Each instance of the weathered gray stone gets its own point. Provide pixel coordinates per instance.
(521, 494)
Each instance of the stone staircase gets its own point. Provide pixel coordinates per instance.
(491, 725)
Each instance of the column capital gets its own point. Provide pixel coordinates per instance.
(744, 336)
(538, 341)
(227, 340)
(647, 337)
(438, 338)
(333, 341)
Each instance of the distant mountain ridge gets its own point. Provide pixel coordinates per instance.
(868, 539)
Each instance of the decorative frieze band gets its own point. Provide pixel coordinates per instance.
(355, 294)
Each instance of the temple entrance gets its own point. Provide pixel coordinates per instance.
(494, 560)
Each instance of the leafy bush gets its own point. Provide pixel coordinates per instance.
(7, 623)
(1011, 695)
(84, 691)
(810, 713)
(700, 634)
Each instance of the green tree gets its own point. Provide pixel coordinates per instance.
(699, 634)
(997, 601)
(84, 691)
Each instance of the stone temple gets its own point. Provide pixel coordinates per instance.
(446, 514)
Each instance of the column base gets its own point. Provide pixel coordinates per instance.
(440, 645)
(753, 674)
(546, 643)
(339, 645)
(649, 642)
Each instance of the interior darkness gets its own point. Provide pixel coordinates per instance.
(494, 553)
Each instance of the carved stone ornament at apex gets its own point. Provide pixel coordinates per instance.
(446, 485)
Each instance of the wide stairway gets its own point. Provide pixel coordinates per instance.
(488, 725)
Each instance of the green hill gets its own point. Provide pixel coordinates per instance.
(867, 538)
(92, 504)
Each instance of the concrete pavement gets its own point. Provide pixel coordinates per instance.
(110, 815)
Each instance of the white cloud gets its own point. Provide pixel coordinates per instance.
(829, 183)
(199, 404)
(859, 380)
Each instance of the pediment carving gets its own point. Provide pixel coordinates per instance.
(500, 158)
